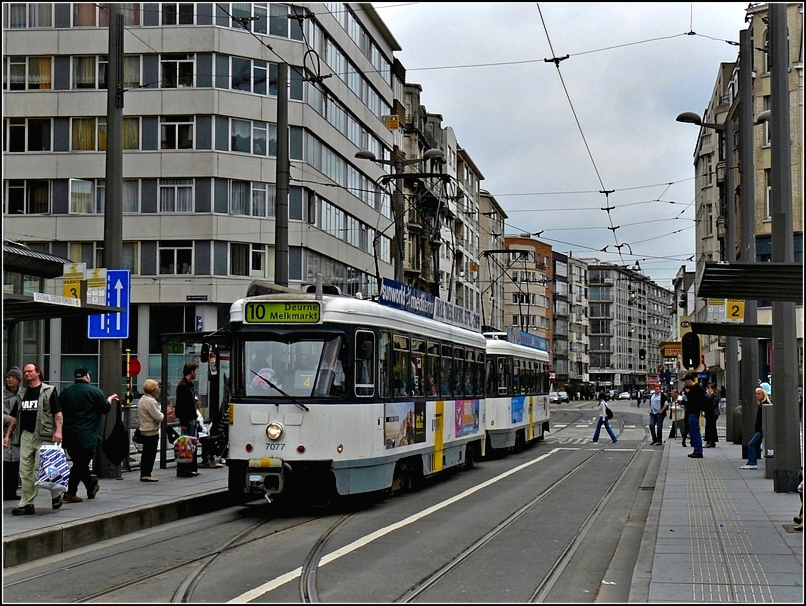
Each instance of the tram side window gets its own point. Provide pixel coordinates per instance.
(527, 377)
(470, 379)
(364, 367)
(432, 369)
(401, 367)
(384, 360)
(516, 376)
(417, 367)
(478, 379)
(492, 377)
(503, 375)
(445, 372)
(456, 382)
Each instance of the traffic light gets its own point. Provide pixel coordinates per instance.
(690, 343)
(642, 354)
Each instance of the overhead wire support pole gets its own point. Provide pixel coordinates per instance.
(747, 250)
(111, 350)
(785, 375)
(282, 178)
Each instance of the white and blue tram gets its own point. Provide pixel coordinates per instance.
(339, 395)
(516, 408)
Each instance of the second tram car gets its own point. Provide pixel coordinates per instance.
(335, 395)
(516, 393)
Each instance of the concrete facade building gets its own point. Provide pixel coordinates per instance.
(199, 159)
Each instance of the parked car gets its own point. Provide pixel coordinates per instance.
(624, 395)
(554, 397)
(564, 396)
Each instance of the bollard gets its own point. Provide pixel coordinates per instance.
(736, 433)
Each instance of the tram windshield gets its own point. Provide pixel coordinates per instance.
(299, 367)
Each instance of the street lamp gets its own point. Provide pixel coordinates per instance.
(397, 207)
(726, 133)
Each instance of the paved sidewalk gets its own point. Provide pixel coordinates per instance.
(718, 533)
(120, 507)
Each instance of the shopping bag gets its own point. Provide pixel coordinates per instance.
(185, 448)
(54, 472)
(116, 444)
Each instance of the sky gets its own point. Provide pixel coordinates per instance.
(550, 136)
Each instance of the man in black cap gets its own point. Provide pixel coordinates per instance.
(82, 405)
(695, 398)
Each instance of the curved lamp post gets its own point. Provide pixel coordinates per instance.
(397, 207)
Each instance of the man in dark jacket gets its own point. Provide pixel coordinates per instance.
(695, 398)
(82, 405)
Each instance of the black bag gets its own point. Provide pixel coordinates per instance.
(609, 412)
(116, 444)
(137, 438)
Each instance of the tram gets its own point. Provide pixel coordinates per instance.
(516, 394)
(337, 395)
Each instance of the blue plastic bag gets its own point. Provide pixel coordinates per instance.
(54, 472)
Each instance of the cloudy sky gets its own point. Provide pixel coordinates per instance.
(549, 138)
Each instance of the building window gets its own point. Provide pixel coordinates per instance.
(82, 197)
(709, 220)
(176, 132)
(83, 136)
(22, 15)
(85, 72)
(241, 78)
(241, 136)
(248, 260)
(32, 134)
(176, 196)
(177, 14)
(84, 14)
(27, 197)
(131, 196)
(177, 70)
(175, 257)
(29, 73)
(130, 258)
(767, 192)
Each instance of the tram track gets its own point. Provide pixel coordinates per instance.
(309, 594)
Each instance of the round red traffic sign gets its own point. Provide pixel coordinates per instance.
(134, 367)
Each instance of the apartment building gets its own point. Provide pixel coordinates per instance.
(528, 289)
(630, 317)
(199, 154)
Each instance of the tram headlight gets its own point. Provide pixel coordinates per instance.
(274, 431)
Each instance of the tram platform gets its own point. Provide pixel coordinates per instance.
(714, 533)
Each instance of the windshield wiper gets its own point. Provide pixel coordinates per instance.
(292, 398)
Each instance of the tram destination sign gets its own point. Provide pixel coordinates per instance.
(260, 312)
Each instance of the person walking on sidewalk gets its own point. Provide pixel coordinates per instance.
(11, 455)
(603, 420)
(695, 398)
(35, 420)
(711, 415)
(657, 412)
(754, 445)
(83, 405)
(150, 416)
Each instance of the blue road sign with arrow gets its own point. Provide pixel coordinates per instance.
(113, 325)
